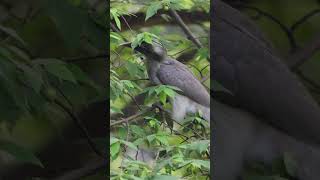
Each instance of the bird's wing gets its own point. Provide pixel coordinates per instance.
(263, 84)
(269, 89)
(176, 74)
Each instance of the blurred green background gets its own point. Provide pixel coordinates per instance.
(53, 65)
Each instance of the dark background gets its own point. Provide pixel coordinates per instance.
(53, 57)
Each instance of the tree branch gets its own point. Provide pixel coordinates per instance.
(77, 59)
(133, 117)
(185, 28)
(138, 20)
(304, 19)
(291, 38)
(81, 127)
(298, 58)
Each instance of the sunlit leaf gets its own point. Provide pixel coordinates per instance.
(153, 9)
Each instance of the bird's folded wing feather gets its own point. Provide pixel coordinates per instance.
(262, 83)
(176, 74)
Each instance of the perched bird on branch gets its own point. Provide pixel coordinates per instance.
(165, 70)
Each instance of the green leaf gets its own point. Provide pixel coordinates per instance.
(12, 33)
(216, 86)
(115, 15)
(115, 36)
(19, 52)
(68, 19)
(153, 123)
(34, 78)
(139, 141)
(82, 76)
(115, 110)
(57, 68)
(137, 130)
(150, 138)
(130, 145)
(170, 92)
(132, 68)
(95, 28)
(113, 140)
(202, 54)
(199, 146)
(118, 23)
(163, 138)
(153, 9)
(163, 97)
(164, 177)
(201, 163)
(114, 149)
(137, 40)
(20, 153)
(143, 37)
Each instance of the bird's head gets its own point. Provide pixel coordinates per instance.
(153, 51)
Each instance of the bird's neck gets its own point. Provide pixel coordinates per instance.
(152, 69)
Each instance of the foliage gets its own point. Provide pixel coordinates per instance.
(179, 150)
(39, 69)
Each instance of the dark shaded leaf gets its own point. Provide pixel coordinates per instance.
(21, 154)
(12, 33)
(57, 68)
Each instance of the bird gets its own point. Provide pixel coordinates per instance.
(164, 70)
(274, 112)
(260, 81)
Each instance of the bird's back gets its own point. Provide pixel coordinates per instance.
(261, 82)
(172, 72)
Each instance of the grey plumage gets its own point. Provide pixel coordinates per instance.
(241, 137)
(165, 70)
(177, 74)
(276, 114)
(245, 63)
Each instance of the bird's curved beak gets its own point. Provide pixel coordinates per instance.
(142, 48)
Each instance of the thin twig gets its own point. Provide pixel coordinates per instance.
(185, 28)
(115, 29)
(126, 22)
(77, 121)
(204, 67)
(291, 38)
(309, 81)
(193, 130)
(135, 101)
(304, 19)
(195, 67)
(77, 59)
(298, 58)
(81, 127)
(133, 117)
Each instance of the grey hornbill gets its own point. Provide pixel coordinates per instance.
(274, 114)
(165, 70)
